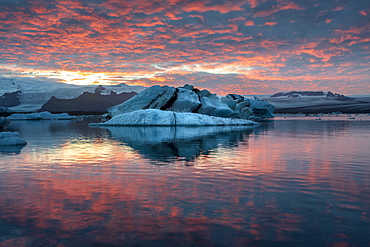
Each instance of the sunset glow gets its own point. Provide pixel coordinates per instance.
(253, 46)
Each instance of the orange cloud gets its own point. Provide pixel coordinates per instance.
(363, 12)
(277, 8)
(136, 38)
(271, 23)
(226, 7)
(249, 23)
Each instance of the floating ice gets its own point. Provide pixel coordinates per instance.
(4, 122)
(11, 139)
(154, 117)
(192, 100)
(40, 116)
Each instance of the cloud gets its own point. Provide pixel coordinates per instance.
(270, 43)
(280, 6)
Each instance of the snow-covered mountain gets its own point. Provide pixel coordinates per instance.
(317, 102)
(30, 94)
(298, 94)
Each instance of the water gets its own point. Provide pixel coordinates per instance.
(294, 181)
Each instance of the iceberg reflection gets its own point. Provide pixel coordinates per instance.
(185, 143)
(11, 150)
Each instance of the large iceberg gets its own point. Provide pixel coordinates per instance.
(155, 117)
(190, 99)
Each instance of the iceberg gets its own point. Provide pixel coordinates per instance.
(192, 100)
(155, 117)
(40, 116)
(11, 139)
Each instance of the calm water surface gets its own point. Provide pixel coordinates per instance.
(288, 182)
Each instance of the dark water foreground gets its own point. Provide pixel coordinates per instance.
(288, 182)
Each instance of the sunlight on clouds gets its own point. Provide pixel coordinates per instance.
(213, 68)
(147, 42)
(81, 78)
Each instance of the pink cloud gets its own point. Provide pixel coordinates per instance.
(278, 8)
(363, 12)
(271, 23)
(249, 23)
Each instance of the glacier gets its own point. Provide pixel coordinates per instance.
(313, 102)
(33, 93)
(193, 100)
(155, 117)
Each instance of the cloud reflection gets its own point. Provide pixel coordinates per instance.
(278, 185)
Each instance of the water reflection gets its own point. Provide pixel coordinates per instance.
(277, 184)
(11, 150)
(313, 128)
(49, 128)
(165, 144)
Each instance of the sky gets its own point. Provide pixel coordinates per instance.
(226, 46)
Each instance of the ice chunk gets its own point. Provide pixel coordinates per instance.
(40, 116)
(4, 122)
(11, 139)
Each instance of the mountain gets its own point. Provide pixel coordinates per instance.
(21, 94)
(87, 103)
(9, 99)
(298, 94)
(317, 102)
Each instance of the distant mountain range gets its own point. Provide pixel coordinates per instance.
(317, 102)
(20, 94)
(298, 94)
(34, 94)
(91, 103)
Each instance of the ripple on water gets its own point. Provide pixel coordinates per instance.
(283, 183)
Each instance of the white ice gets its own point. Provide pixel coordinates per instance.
(154, 117)
(40, 116)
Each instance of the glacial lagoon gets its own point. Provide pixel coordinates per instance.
(292, 181)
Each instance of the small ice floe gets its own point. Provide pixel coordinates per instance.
(4, 122)
(11, 139)
(5, 111)
(154, 117)
(40, 116)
